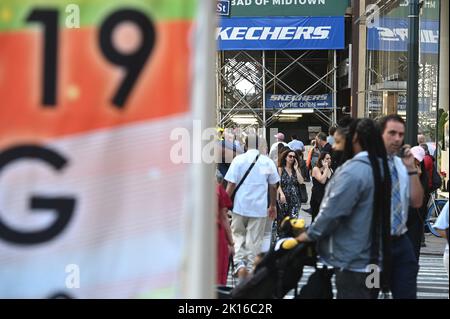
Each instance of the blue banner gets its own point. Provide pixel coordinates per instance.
(376, 103)
(287, 33)
(392, 35)
(278, 101)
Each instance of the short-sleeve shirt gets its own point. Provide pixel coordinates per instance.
(296, 145)
(251, 198)
(442, 221)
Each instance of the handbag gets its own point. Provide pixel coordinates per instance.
(303, 193)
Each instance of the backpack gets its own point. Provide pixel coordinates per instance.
(318, 286)
(277, 274)
(436, 181)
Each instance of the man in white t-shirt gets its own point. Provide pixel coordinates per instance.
(250, 210)
(441, 225)
(273, 153)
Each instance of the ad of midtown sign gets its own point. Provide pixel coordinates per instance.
(311, 8)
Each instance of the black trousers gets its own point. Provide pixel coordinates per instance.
(352, 285)
(315, 207)
(404, 269)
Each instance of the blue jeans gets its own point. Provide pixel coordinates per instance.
(404, 269)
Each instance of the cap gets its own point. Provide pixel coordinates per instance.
(418, 153)
(279, 136)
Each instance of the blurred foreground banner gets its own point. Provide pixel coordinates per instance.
(90, 204)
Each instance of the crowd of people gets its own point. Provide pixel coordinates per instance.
(368, 202)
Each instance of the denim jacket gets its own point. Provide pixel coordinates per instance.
(342, 228)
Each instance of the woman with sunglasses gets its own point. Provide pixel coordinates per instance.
(289, 189)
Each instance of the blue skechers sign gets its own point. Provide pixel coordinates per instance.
(278, 101)
(287, 33)
(392, 35)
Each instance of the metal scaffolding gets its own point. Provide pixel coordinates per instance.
(244, 77)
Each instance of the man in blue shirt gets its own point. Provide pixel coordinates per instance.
(441, 225)
(296, 145)
(406, 191)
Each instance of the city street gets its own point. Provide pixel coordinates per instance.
(432, 281)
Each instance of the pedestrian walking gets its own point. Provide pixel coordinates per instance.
(273, 153)
(289, 196)
(321, 174)
(352, 227)
(441, 226)
(406, 191)
(248, 178)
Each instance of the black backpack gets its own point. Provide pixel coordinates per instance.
(318, 286)
(277, 274)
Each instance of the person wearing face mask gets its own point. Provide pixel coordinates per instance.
(342, 143)
(352, 228)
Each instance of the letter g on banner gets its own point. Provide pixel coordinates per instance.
(63, 206)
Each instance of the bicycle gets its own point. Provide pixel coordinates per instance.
(434, 209)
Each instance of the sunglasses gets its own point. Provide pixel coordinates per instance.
(291, 156)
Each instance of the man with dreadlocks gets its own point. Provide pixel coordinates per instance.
(352, 227)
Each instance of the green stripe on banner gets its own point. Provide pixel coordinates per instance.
(14, 13)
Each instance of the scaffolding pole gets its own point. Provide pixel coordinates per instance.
(334, 118)
(264, 92)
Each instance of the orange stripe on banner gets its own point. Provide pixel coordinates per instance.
(87, 82)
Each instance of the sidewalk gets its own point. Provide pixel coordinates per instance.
(434, 245)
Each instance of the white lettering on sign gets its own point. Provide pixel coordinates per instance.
(241, 2)
(273, 33)
(401, 34)
(427, 4)
(298, 2)
(277, 2)
(251, 33)
(304, 98)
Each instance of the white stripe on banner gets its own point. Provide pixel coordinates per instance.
(125, 235)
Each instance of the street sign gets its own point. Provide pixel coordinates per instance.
(288, 8)
(223, 7)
